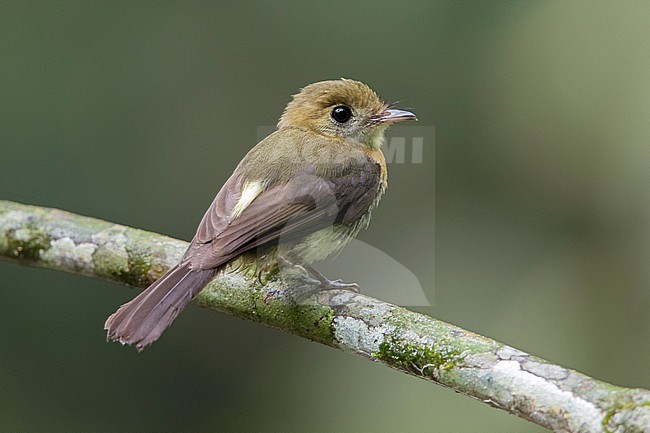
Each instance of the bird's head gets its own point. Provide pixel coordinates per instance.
(342, 109)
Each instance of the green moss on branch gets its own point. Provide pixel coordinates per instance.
(549, 395)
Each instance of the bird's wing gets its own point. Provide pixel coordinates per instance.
(281, 212)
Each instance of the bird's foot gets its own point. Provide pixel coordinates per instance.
(299, 272)
(327, 284)
(316, 281)
(338, 284)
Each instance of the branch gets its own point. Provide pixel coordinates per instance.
(552, 396)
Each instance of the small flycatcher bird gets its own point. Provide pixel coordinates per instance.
(298, 196)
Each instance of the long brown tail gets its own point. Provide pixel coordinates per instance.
(143, 319)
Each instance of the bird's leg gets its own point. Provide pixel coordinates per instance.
(327, 284)
(303, 273)
(319, 280)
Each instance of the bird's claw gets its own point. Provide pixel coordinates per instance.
(338, 284)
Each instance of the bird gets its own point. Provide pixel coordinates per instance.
(300, 195)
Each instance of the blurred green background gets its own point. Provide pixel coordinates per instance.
(136, 112)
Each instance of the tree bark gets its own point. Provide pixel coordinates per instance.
(552, 396)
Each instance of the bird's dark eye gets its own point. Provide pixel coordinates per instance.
(341, 113)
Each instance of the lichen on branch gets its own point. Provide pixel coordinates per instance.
(552, 396)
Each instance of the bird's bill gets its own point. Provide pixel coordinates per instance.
(392, 115)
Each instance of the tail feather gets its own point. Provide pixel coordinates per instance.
(142, 320)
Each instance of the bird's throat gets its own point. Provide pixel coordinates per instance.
(374, 138)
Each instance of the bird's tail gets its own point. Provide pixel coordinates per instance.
(143, 319)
